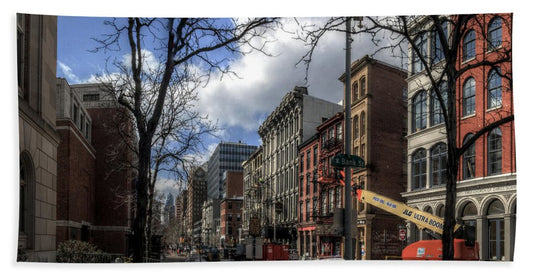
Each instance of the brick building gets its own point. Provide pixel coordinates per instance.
(196, 195)
(100, 121)
(231, 208)
(38, 139)
(181, 212)
(378, 116)
(76, 167)
(308, 195)
(486, 184)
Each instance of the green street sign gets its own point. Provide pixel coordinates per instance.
(345, 160)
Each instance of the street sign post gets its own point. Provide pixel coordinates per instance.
(346, 160)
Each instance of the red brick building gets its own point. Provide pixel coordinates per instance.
(308, 194)
(95, 174)
(378, 116)
(231, 208)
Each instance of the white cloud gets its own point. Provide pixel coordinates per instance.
(67, 72)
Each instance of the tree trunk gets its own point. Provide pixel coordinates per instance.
(141, 190)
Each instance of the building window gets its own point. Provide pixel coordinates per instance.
(315, 155)
(363, 87)
(355, 91)
(419, 170)
(21, 52)
(420, 43)
(308, 160)
(331, 200)
(324, 203)
(419, 111)
(495, 151)
(438, 47)
(355, 127)
(469, 159)
(469, 45)
(494, 87)
(438, 165)
(307, 210)
(75, 111)
(494, 36)
(339, 132)
(301, 162)
(308, 184)
(338, 199)
(496, 231)
(26, 201)
(469, 97)
(363, 124)
(91, 97)
(437, 112)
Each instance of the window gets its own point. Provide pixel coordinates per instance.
(75, 111)
(324, 203)
(363, 124)
(338, 199)
(355, 91)
(419, 170)
(91, 97)
(301, 162)
(363, 87)
(21, 52)
(469, 45)
(494, 87)
(494, 36)
(356, 127)
(469, 97)
(308, 160)
(420, 43)
(495, 151)
(315, 155)
(437, 112)
(496, 231)
(301, 211)
(339, 132)
(419, 111)
(307, 210)
(438, 165)
(438, 47)
(469, 159)
(331, 200)
(308, 184)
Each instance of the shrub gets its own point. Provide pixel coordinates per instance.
(73, 251)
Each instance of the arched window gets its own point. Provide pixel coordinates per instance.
(438, 49)
(494, 35)
(469, 97)
(355, 91)
(356, 127)
(438, 165)
(437, 112)
(440, 211)
(494, 152)
(494, 88)
(469, 159)
(363, 124)
(418, 170)
(496, 231)
(419, 111)
(362, 87)
(469, 215)
(469, 45)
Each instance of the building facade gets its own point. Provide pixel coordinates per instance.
(378, 115)
(252, 175)
(181, 214)
(210, 222)
(38, 139)
(486, 184)
(111, 134)
(308, 195)
(227, 156)
(196, 195)
(76, 192)
(292, 122)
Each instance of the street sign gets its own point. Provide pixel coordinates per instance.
(345, 160)
(402, 234)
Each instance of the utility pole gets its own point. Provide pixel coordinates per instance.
(348, 248)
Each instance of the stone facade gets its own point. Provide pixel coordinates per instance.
(38, 139)
(292, 122)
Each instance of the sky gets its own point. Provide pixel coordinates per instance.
(237, 104)
(240, 105)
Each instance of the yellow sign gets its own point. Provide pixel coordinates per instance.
(422, 219)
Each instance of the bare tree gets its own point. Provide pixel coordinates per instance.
(159, 96)
(443, 64)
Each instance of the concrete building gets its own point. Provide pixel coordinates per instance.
(227, 156)
(378, 115)
(38, 139)
(292, 122)
(486, 186)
